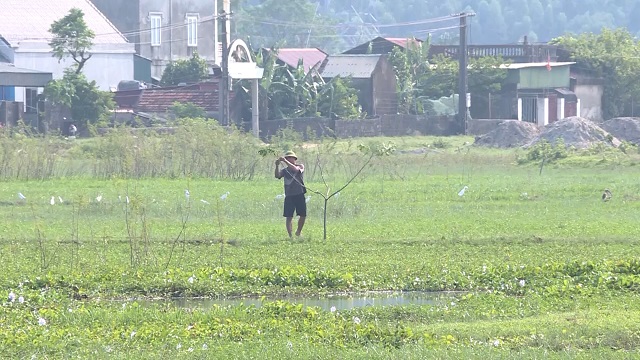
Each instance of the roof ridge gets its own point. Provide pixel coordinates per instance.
(116, 31)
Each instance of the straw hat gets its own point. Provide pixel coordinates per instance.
(290, 154)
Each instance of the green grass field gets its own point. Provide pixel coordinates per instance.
(544, 267)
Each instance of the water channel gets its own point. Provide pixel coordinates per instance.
(339, 302)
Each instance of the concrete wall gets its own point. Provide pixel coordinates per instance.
(108, 65)
(590, 101)
(124, 15)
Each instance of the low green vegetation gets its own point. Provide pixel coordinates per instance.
(538, 265)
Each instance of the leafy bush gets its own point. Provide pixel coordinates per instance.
(544, 151)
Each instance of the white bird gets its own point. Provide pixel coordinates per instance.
(187, 193)
(461, 193)
(22, 197)
(306, 200)
(99, 198)
(53, 201)
(224, 196)
(60, 199)
(204, 201)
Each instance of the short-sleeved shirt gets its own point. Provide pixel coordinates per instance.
(291, 186)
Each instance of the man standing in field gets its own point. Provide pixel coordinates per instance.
(294, 190)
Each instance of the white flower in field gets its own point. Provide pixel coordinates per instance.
(205, 347)
(289, 345)
(12, 297)
(187, 194)
(124, 306)
(21, 299)
(522, 283)
(52, 201)
(190, 349)
(484, 268)
(306, 200)
(21, 197)
(70, 310)
(333, 309)
(204, 201)
(42, 322)
(191, 280)
(461, 192)
(99, 198)
(279, 196)
(496, 343)
(133, 333)
(356, 320)
(224, 196)
(189, 327)
(179, 346)
(453, 303)
(108, 349)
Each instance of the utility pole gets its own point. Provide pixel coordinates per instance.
(463, 61)
(216, 34)
(224, 87)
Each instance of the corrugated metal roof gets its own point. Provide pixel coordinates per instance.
(403, 41)
(309, 56)
(517, 66)
(7, 68)
(31, 19)
(355, 66)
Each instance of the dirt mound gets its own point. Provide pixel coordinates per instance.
(508, 134)
(624, 128)
(577, 132)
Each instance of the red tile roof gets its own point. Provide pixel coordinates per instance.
(309, 56)
(159, 101)
(403, 41)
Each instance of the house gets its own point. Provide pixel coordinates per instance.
(166, 30)
(372, 75)
(590, 90)
(157, 102)
(309, 57)
(383, 45)
(537, 92)
(24, 38)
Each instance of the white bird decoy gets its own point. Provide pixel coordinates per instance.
(187, 193)
(224, 196)
(99, 198)
(22, 197)
(461, 192)
(52, 201)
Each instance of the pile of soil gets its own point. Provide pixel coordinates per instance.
(508, 134)
(624, 128)
(577, 132)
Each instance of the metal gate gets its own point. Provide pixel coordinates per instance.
(530, 109)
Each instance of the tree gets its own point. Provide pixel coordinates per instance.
(72, 37)
(87, 103)
(187, 71)
(187, 110)
(613, 55)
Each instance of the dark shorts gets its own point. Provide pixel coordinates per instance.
(297, 203)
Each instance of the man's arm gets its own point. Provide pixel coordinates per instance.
(277, 173)
(292, 167)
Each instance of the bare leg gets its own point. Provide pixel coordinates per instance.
(289, 225)
(300, 224)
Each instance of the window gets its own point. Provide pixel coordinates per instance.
(192, 30)
(155, 22)
(31, 100)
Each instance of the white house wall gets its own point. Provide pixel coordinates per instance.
(590, 101)
(108, 65)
